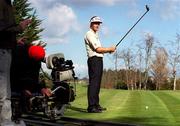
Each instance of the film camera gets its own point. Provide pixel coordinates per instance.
(61, 70)
(63, 92)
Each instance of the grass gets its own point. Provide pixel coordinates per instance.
(130, 107)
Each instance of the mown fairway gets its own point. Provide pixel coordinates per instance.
(149, 108)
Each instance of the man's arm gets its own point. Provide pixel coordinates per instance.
(96, 47)
(105, 50)
(10, 28)
(14, 28)
(5, 26)
(19, 28)
(1, 15)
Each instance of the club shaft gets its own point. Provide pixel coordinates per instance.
(131, 28)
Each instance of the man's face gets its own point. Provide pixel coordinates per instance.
(95, 26)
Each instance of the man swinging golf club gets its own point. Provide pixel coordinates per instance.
(95, 64)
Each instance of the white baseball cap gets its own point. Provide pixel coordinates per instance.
(95, 19)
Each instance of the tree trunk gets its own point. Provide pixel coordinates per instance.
(127, 80)
(174, 87)
(140, 85)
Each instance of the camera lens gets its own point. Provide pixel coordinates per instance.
(69, 62)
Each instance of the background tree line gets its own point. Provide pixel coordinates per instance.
(149, 66)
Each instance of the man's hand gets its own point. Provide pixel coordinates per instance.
(22, 40)
(27, 93)
(112, 49)
(25, 23)
(46, 92)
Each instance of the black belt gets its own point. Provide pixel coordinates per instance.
(95, 57)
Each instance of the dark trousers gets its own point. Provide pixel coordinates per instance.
(95, 70)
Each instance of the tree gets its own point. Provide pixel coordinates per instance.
(149, 40)
(127, 56)
(24, 11)
(108, 79)
(115, 56)
(159, 67)
(174, 58)
(140, 58)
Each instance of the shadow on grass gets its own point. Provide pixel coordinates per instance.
(143, 121)
(78, 109)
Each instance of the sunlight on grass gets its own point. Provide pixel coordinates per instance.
(151, 108)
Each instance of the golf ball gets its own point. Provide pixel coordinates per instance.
(147, 107)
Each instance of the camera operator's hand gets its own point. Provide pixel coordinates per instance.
(24, 24)
(22, 40)
(46, 92)
(27, 93)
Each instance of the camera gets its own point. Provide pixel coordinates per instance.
(62, 70)
(63, 91)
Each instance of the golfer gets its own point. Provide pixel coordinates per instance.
(95, 54)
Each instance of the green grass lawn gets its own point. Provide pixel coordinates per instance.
(130, 107)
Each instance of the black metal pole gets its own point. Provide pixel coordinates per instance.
(147, 9)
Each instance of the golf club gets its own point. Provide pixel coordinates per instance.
(147, 9)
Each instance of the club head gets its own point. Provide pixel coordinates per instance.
(147, 8)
